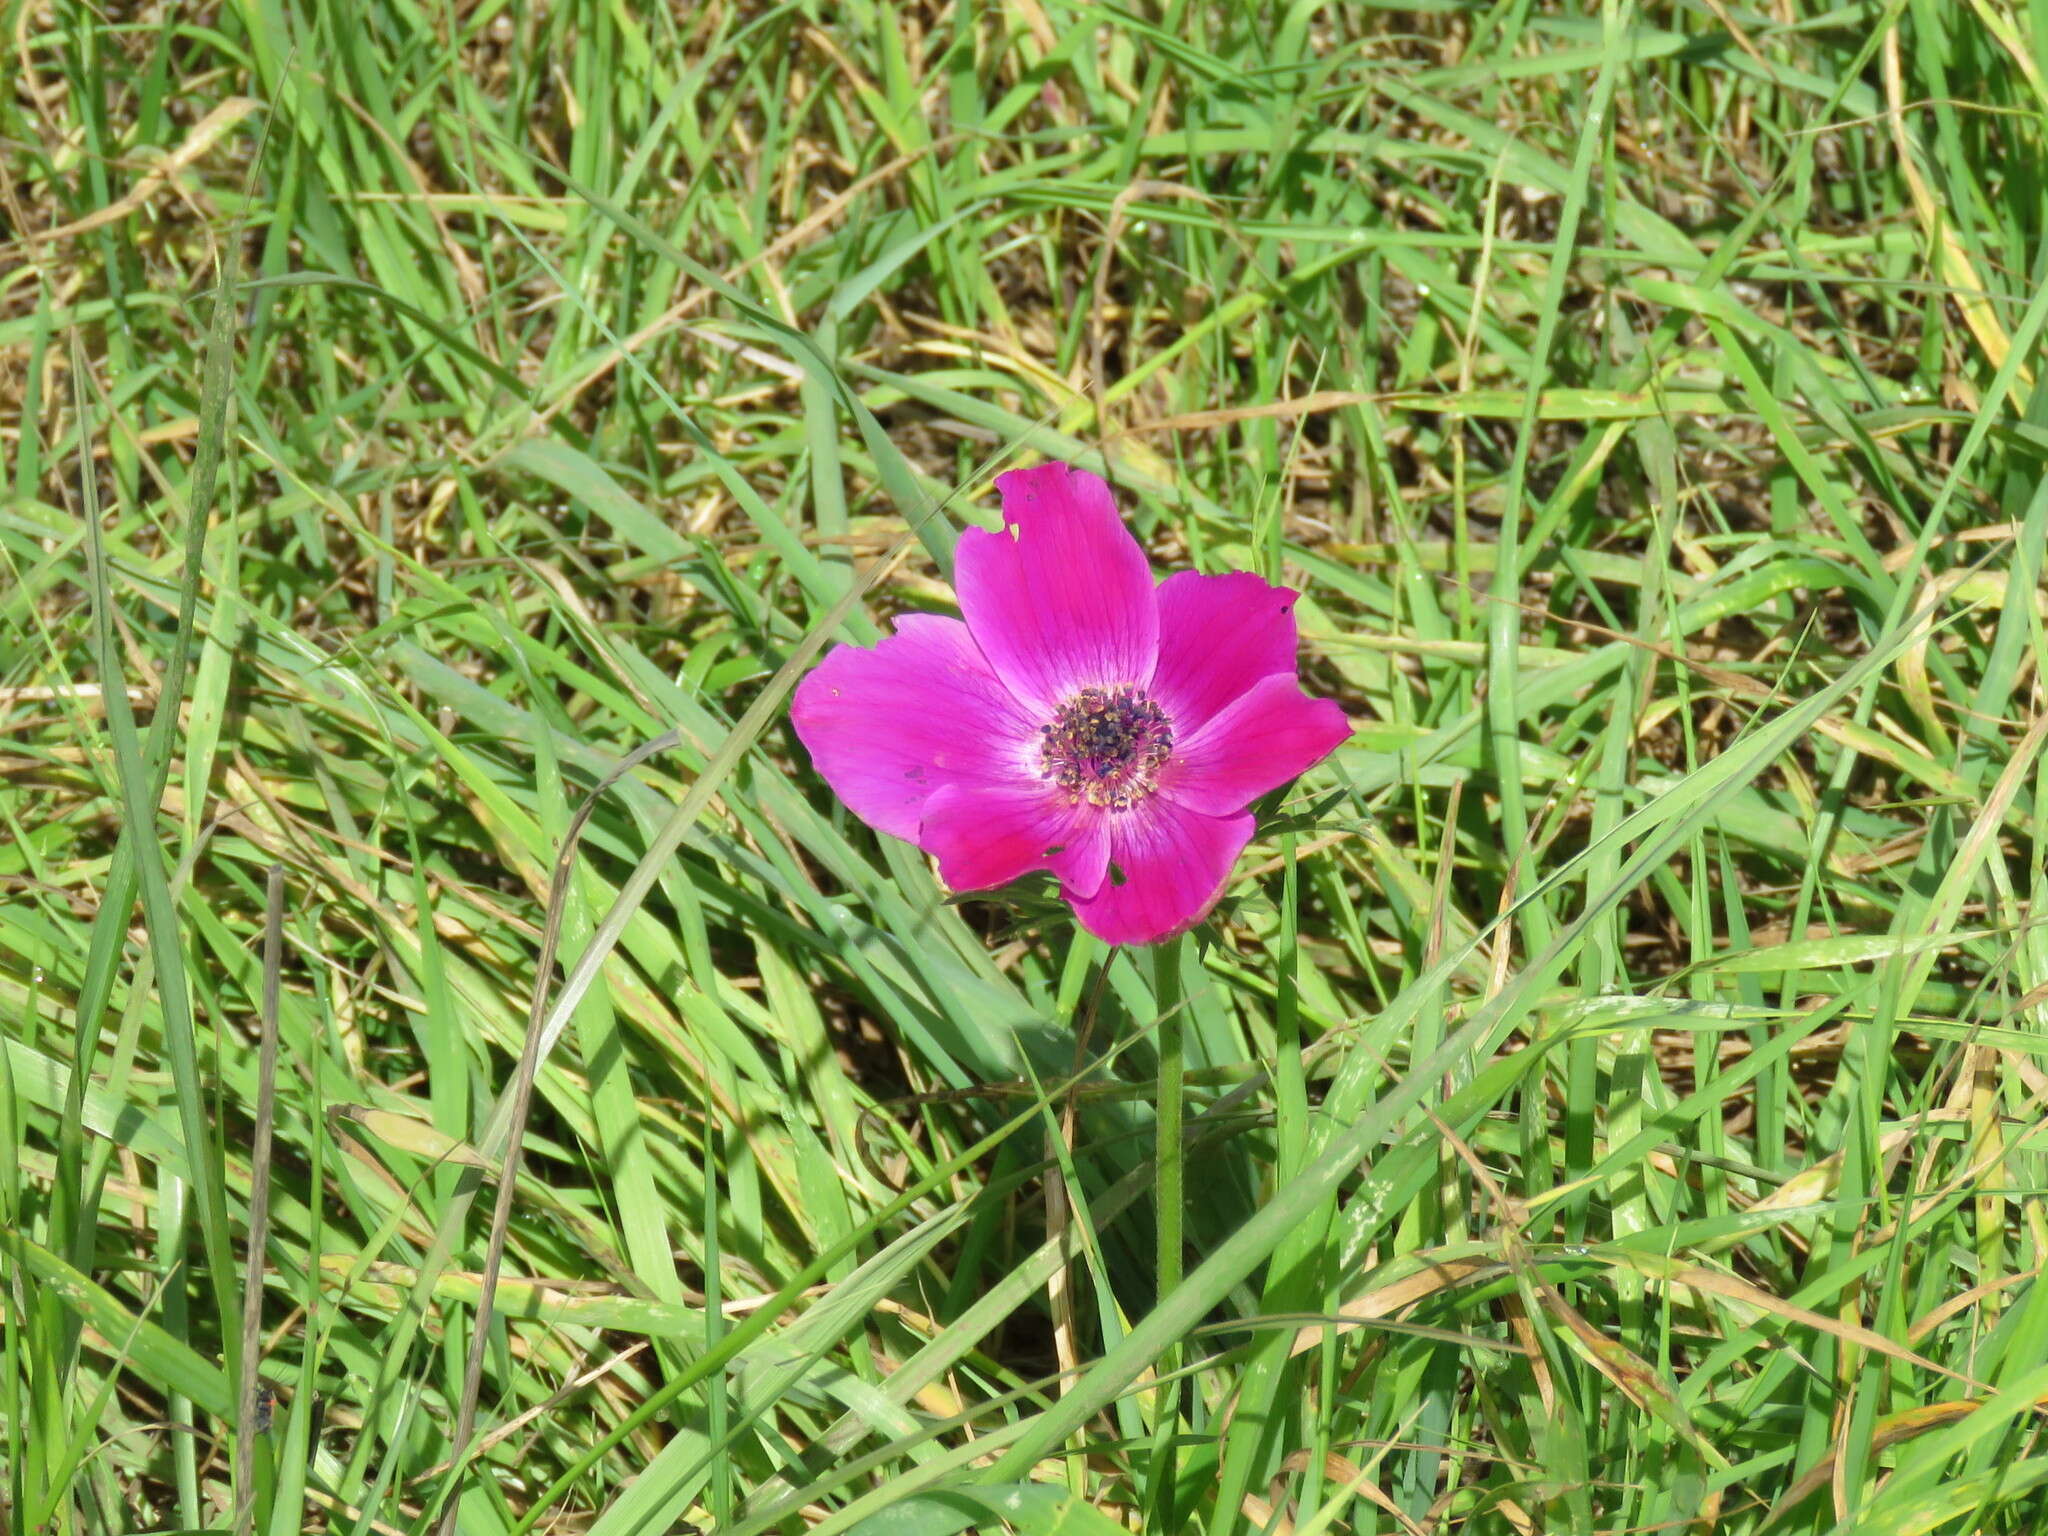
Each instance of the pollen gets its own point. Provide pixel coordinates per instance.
(1105, 746)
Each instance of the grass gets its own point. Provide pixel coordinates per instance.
(438, 436)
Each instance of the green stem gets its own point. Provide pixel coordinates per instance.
(1168, 1174)
(1172, 1073)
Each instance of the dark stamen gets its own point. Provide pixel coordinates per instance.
(1105, 746)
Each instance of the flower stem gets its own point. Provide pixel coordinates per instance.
(1169, 1189)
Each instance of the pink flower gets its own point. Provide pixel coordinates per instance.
(1081, 719)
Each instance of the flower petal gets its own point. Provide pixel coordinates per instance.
(989, 834)
(1061, 599)
(1217, 636)
(888, 726)
(1168, 865)
(1269, 735)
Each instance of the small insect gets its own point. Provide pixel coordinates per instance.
(266, 1404)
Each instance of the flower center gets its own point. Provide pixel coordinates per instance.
(1105, 746)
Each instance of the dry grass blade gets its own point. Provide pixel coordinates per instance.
(205, 133)
(1718, 1283)
(1893, 1429)
(1398, 1296)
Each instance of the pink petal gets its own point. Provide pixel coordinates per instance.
(1271, 734)
(888, 726)
(1061, 599)
(1217, 636)
(1168, 866)
(989, 834)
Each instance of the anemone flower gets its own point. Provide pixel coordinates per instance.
(1078, 717)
